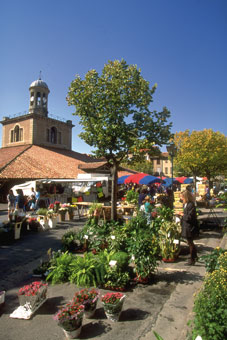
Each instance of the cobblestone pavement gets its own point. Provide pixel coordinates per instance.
(164, 305)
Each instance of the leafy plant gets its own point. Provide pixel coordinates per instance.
(87, 271)
(116, 278)
(210, 306)
(60, 268)
(122, 259)
(69, 241)
(42, 211)
(211, 259)
(132, 196)
(169, 239)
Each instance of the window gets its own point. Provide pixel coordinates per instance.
(16, 134)
(158, 161)
(166, 171)
(166, 161)
(53, 135)
(38, 99)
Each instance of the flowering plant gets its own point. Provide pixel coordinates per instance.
(211, 259)
(70, 316)
(86, 297)
(33, 289)
(112, 298)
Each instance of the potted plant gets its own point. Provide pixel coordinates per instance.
(132, 197)
(87, 271)
(62, 212)
(95, 210)
(112, 304)
(33, 295)
(88, 298)
(52, 218)
(69, 241)
(42, 217)
(169, 240)
(70, 318)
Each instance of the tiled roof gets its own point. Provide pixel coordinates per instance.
(8, 154)
(34, 161)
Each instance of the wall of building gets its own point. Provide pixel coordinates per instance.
(34, 129)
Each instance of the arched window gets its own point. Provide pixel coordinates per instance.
(16, 134)
(53, 135)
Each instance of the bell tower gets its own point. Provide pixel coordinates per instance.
(39, 98)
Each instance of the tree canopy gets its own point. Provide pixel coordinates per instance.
(114, 110)
(201, 153)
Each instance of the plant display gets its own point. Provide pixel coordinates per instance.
(69, 241)
(132, 197)
(42, 211)
(111, 298)
(32, 294)
(112, 304)
(70, 316)
(122, 259)
(32, 289)
(87, 297)
(210, 305)
(116, 279)
(211, 260)
(169, 239)
(87, 271)
(95, 209)
(60, 268)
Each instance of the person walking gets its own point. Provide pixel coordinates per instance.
(189, 224)
(11, 202)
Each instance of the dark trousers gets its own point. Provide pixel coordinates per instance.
(192, 249)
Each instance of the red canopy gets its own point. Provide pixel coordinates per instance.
(135, 178)
(180, 179)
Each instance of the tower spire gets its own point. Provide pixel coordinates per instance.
(40, 74)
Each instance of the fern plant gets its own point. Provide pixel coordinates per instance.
(87, 271)
(60, 270)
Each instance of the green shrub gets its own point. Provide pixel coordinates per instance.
(42, 211)
(132, 196)
(87, 271)
(211, 259)
(69, 241)
(210, 305)
(122, 259)
(60, 268)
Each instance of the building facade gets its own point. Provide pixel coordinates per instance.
(36, 127)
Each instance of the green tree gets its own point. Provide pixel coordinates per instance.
(114, 111)
(201, 153)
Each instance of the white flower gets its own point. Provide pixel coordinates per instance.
(133, 257)
(86, 237)
(112, 263)
(198, 338)
(113, 237)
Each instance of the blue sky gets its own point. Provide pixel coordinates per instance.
(179, 44)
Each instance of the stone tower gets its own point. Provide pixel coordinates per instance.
(35, 127)
(38, 97)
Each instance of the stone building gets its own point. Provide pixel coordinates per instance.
(36, 127)
(36, 145)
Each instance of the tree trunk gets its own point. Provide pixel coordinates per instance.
(114, 174)
(195, 185)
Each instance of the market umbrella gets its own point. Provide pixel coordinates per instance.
(122, 179)
(149, 180)
(135, 178)
(188, 181)
(181, 179)
(168, 182)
